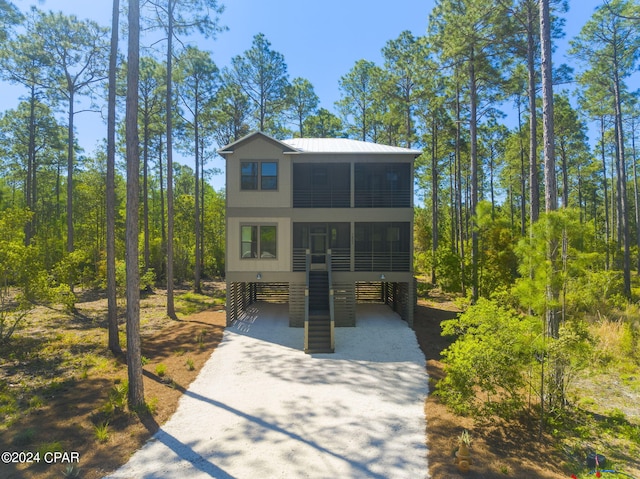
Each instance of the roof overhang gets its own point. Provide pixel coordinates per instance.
(322, 146)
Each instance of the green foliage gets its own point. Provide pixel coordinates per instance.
(49, 447)
(71, 472)
(15, 266)
(147, 278)
(498, 262)
(152, 405)
(561, 231)
(571, 352)
(118, 396)
(161, 370)
(9, 321)
(190, 303)
(493, 349)
(261, 72)
(101, 432)
(448, 270)
(594, 290)
(24, 437)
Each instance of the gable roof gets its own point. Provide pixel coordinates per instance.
(228, 149)
(321, 145)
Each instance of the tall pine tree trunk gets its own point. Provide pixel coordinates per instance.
(552, 314)
(565, 175)
(134, 352)
(112, 305)
(607, 221)
(145, 194)
(534, 187)
(461, 236)
(523, 181)
(473, 130)
(171, 311)
(30, 188)
(636, 200)
(197, 271)
(434, 197)
(70, 162)
(622, 186)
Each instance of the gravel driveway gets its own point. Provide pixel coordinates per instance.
(262, 409)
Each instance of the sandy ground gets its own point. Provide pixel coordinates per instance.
(261, 408)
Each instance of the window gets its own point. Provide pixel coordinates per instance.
(269, 175)
(249, 241)
(256, 175)
(258, 241)
(267, 241)
(249, 175)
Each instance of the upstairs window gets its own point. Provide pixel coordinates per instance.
(249, 175)
(269, 175)
(258, 175)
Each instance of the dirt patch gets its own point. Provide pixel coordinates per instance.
(71, 405)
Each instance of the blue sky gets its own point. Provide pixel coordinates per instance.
(320, 40)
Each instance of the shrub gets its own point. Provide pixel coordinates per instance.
(71, 472)
(55, 446)
(152, 405)
(161, 370)
(448, 271)
(493, 349)
(118, 395)
(10, 321)
(190, 365)
(24, 438)
(36, 402)
(101, 432)
(147, 278)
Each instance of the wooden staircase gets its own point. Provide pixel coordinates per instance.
(319, 322)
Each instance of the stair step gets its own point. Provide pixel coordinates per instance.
(319, 325)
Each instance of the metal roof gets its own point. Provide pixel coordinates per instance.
(323, 145)
(344, 145)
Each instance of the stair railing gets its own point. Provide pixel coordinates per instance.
(306, 299)
(331, 298)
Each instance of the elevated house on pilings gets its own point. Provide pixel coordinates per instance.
(321, 224)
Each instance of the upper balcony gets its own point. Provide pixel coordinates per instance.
(321, 185)
(330, 185)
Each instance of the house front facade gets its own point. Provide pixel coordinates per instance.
(320, 224)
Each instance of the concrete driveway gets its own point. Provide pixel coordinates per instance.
(263, 409)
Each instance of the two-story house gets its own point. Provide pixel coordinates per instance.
(321, 224)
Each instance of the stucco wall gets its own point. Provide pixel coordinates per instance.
(258, 150)
(282, 262)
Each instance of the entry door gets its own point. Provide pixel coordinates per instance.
(318, 243)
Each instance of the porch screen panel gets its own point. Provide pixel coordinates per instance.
(382, 246)
(382, 185)
(321, 185)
